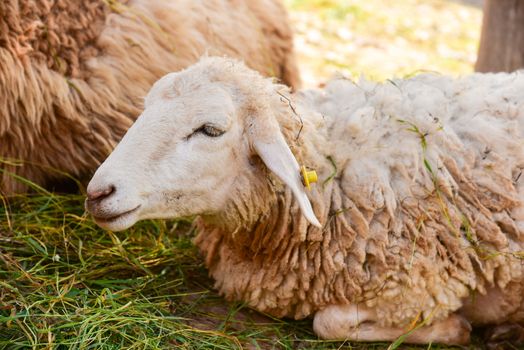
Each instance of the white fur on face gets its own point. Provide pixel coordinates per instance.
(166, 166)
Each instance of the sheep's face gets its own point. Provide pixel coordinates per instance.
(180, 158)
(185, 153)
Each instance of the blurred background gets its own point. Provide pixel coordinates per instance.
(382, 38)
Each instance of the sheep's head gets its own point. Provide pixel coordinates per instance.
(191, 148)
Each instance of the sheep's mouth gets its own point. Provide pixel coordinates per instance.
(115, 217)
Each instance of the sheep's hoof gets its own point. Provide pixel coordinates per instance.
(505, 336)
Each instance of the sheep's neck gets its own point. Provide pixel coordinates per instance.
(267, 222)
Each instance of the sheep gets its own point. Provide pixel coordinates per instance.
(416, 224)
(73, 74)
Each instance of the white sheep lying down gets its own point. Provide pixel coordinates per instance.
(417, 219)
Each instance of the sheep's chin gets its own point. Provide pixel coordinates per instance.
(119, 223)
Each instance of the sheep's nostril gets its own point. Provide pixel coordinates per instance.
(99, 195)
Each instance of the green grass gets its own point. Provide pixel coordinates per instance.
(64, 283)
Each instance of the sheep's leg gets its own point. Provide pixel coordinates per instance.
(358, 323)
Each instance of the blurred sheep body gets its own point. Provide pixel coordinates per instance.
(73, 74)
(420, 198)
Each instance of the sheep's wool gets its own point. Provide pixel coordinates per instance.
(421, 193)
(73, 73)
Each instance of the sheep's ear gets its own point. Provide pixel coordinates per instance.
(274, 151)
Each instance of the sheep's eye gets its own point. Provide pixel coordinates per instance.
(209, 130)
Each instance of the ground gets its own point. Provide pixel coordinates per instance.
(64, 283)
(382, 39)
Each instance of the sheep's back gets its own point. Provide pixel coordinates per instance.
(433, 165)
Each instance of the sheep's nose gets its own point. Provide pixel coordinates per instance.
(98, 195)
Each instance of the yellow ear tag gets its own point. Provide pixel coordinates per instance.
(308, 177)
